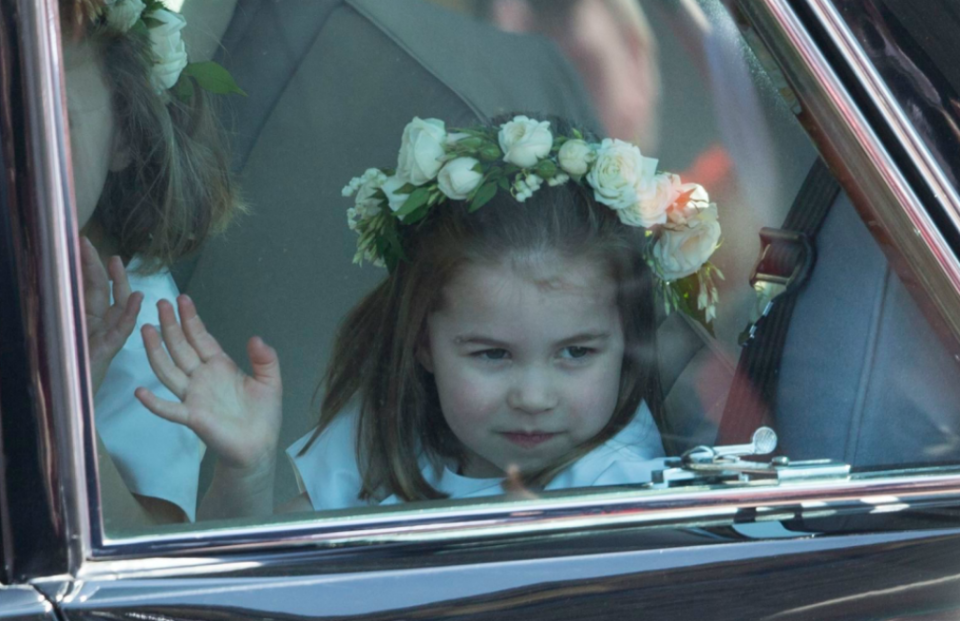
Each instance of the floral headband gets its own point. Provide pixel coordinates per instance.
(170, 70)
(472, 165)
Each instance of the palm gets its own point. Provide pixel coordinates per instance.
(109, 325)
(230, 410)
(235, 414)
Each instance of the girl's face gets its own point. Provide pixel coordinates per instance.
(94, 137)
(526, 360)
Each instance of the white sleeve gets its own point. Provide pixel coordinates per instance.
(328, 470)
(155, 457)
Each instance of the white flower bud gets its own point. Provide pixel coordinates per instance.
(458, 178)
(575, 157)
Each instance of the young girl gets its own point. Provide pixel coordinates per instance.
(151, 183)
(514, 335)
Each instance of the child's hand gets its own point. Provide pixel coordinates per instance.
(236, 415)
(108, 325)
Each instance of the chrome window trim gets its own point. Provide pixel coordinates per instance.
(674, 508)
(61, 377)
(889, 205)
(595, 510)
(896, 119)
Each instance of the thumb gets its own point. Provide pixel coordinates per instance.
(264, 362)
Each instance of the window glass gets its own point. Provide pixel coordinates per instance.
(457, 249)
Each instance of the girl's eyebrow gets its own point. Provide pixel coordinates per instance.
(585, 337)
(479, 339)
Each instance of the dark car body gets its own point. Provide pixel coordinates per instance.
(882, 544)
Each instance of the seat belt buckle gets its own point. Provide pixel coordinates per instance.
(785, 261)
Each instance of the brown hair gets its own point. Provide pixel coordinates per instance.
(177, 189)
(374, 356)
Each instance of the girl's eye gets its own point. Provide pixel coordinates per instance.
(492, 354)
(576, 352)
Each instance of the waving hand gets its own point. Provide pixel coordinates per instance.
(237, 415)
(109, 325)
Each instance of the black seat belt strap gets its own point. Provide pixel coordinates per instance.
(787, 257)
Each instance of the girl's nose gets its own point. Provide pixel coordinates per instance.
(533, 393)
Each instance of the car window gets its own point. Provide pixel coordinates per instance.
(345, 256)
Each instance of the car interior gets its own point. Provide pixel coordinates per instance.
(331, 85)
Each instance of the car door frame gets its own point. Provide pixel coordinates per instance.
(553, 549)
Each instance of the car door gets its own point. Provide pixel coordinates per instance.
(880, 542)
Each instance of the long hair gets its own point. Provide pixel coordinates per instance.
(374, 356)
(178, 188)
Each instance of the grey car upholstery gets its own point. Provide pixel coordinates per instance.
(865, 379)
(331, 85)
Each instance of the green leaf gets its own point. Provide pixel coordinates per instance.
(504, 184)
(546, 169)
(435, 197)
(417, 199)
(490, 152)
(486, 192)
(212, 77)
(469, 144)
(140, 28)
(406, 188)
(183, 89)
(577, 134)
(417, 215)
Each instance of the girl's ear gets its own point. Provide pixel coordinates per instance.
(121, 155)
(424, 355)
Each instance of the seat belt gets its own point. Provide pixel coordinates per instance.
(787, 256)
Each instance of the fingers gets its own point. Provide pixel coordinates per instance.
(121, 285)
(163, 367)
(515, 486)
(169, 410)
(95, 286)
(263, 362)
(202, 341)
(121, 331)
(180, 349)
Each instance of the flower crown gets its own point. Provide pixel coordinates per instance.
(473, 164)
(169, 70)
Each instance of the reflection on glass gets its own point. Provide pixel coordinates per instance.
(516, 346)
(151, 184)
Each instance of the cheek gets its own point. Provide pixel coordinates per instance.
(466, 398)
(594, 399)
(91, 153)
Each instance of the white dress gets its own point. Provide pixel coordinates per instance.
(155, 457)
(329, 474)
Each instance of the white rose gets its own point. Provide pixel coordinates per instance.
(169, 52)
(390, 187)
(652, 202)
(620, 173)
(681, 252)
(458, 178)
(697, 200)
(421, 150)
(575, 157)
(525, 141)
(123, 14)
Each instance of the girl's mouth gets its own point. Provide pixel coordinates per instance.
(527, 440)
